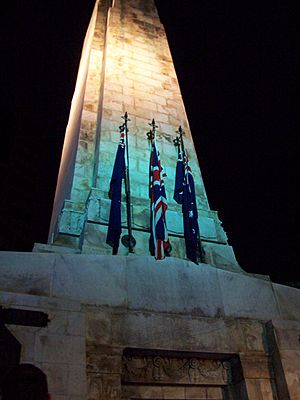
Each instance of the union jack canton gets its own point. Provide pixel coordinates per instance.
(159, 244)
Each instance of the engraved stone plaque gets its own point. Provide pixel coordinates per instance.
(171, 370)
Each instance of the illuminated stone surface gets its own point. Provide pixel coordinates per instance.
(126, 65)
(234, 336)
(99, 306)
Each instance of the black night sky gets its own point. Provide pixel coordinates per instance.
(238, 68)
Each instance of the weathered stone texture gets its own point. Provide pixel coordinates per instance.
(27, 274)
(291, 366)
(152, 331)
(172, 370)
(130, 69)
(179, 286)
(59, 349)
(199, 332)
(288, 300)
(172, 392)
(104, 387)
(100, 305)
(252, 295)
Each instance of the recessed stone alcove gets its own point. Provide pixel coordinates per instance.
(152, 374)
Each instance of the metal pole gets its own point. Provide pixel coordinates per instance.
(177, 142)
(128, 240)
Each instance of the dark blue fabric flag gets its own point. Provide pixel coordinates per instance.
(115, 190)
(178, 190)
(184, 193)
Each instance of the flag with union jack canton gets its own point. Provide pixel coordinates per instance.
(184, 193)
(115, 191)
(159, 244)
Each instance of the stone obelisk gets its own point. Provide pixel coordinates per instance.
(126, 66)
(130, 327)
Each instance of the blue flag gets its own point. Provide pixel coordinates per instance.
(115, 189)
(184, 193)
(179, 178)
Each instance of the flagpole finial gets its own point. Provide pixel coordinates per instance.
(151, 134)
(125, 117)
(153, 124)
(180, 131)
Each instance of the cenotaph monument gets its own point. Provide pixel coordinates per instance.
(125, 323)
(126, 66)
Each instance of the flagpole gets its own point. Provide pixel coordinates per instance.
(178, 141)
(159, 244)
(128, 240)
(181, 133)
(151, 136)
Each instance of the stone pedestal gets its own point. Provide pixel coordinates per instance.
(133, 327)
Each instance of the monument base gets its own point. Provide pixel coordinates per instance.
(133, 327)
(216, 254)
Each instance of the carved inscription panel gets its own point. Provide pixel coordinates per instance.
(174, 370)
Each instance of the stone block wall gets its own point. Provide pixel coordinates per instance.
(128, 68)
(59, 349)
(78, 124)
(102, 307)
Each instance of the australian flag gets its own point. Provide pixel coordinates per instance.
(115, 189)
(159, 241)
(184, 193)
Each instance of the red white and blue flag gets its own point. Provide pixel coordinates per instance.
(159, 240)
(115, 190)
(184, 193)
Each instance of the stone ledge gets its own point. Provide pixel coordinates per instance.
(141, 283)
